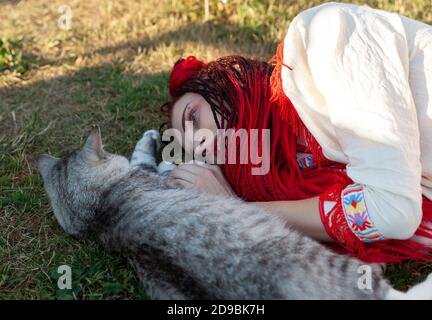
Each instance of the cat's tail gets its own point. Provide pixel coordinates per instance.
(421, 291)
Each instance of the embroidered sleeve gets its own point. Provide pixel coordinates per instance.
(357, 215)
(346, 199)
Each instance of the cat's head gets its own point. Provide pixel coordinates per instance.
(75, 182)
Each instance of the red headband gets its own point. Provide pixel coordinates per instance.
(183, 70)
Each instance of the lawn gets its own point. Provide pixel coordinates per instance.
(110, 68)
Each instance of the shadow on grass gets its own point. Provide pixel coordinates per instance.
(83, 97)
(54, 116)
(236, 39)
(119, 103)
(245, 41)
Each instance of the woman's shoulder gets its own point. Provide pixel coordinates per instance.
(336, 11)
(328, 9)
(328, 26)
(339, 8)
(322, 19)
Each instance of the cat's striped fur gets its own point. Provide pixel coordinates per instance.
(189, 245)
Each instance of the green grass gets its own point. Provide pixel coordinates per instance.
(110, 69)
(11, 58)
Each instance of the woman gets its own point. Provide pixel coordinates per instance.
(348, 102)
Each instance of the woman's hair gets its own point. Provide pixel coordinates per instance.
(248, 94)
(228, 84)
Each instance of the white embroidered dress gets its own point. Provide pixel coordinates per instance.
(361, 81)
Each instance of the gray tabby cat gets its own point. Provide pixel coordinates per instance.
(189, 245)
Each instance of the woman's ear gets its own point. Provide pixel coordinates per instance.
(93, 148)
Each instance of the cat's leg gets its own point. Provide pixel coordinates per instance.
(145, 152)
(421, 291)
(146, 149)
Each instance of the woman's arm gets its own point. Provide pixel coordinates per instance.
(353, 62)
(301, 215)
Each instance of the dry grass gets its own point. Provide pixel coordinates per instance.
(111, 68)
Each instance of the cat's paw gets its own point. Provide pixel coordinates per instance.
(154, 134)
(146, 149)
(152, 137)
(165, 167)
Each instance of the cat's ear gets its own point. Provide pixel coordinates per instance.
(93, 148)
(46, 163)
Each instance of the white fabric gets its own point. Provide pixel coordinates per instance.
(362, 84)
(328, 205)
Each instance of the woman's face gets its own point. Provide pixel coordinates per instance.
(192, 111)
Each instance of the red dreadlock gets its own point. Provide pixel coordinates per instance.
(247, 94)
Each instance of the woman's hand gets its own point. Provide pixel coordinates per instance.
(203, 177)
